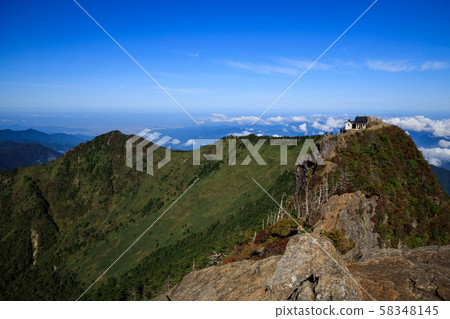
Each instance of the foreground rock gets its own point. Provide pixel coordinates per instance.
(312, 269)
(242, 280)
(304, 272)
(405, 274)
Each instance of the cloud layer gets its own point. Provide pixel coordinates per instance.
(287, 66)
(435, 147)
(436, 156)
(406, 66)
(438, 128)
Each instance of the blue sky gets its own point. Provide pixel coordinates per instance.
(226, 62)
(225, 57)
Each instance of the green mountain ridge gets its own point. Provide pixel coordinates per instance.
(88, 207)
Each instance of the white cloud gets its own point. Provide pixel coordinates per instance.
(444, 143)
(276, 135)
(330, 124)
(286, 66)
(222, 118)
(390, 66)
(302, 124)
(435, 65)
(299, 119)
(439, 128)
(175, 141)
(263, 68)
(303, 64)
(282, 120)
(286, 119)
(302, 128)
(406, 66)
(243, 133)
(436, 156)
(189, 142)
(277, 119)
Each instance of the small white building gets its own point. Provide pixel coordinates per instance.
(360, 123)
(348, 125)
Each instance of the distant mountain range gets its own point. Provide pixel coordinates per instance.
(14, 154)
(443, 176)
(60, 142)
(31, 147)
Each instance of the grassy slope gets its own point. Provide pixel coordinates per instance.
(213, 198)
(99, 206)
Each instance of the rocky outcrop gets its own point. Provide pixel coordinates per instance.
(304, 272)
(311, 269)
(241, 280)
(405, 274)
(329, 144)
(302, 171)
(34, 244)
(351, 213)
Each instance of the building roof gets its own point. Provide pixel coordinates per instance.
(361, 120)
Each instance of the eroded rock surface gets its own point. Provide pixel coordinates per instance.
(34, 244)
(306, 272)
(351, 213)
(311, 269)
(241, 280)
(405, 274)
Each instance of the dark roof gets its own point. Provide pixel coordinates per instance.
(361, 120)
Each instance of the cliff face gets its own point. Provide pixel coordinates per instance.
(351, 217)
(367, 209)
(395, 193)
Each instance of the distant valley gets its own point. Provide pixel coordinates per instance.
(32, 147)
(59, 142)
